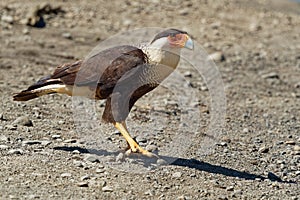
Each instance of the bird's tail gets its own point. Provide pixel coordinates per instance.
(44, 86)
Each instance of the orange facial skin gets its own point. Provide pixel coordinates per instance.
(178, 40)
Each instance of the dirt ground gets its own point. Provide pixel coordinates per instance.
(256, 45)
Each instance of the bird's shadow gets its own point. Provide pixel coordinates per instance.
(190, 163)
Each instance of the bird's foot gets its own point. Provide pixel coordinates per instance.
(135, 148)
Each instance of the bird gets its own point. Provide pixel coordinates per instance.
(120, 75)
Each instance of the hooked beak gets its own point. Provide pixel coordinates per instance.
(189, 44)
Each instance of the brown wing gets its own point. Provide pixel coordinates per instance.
(106, 68)
(109, 64)
(101, 71)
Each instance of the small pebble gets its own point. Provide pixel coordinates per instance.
(11, 127)
(15, 151)
(54, 137)
(151, 148)
(24, 121)
(7, 18)
(271, 75)
(254, 27)
(3, 138)
(217, 56)
(120, 157)
(230, 188)
(263, 150)
(31, 142)
(70, 141)
(86, 177)
(45, 142)
(3, 147)
(91, 158)
(177, 175)
(245, 130)
(78, 163)
(66, 175)
(25, 31)
(296, 148)
(223, 144)
(100, 170)
(187, 74)
(161, 162)
(83, 184)
(290, 142)
(107, 189)
(141, 139)
(76, 152)
(67, 35)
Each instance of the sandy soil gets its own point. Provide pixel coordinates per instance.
(45, 156)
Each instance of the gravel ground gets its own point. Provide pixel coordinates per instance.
(256, 46)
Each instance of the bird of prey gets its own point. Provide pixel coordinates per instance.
(121, 75)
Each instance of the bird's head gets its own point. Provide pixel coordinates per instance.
(173, 39)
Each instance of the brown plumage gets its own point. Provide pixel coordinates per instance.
(121, 75)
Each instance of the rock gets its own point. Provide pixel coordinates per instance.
(15, 151)
(182, 197)
(45, 142)
(151, 148)
(107, 189)
(2, 118)
(3, 138)
(215, 25)
(177, 175)
(127, 22)
(76, 152)
(82, 184)
(25, 31)
(11, 127)
(271, 75)
(245, 130)
(141, 139)
(64, 175)
(161, 162)
(31, 142)
(184, 12)
(7, 19)
(55, 137)
(70, 141)
(120, 157)
(91, 158)
(263, 150)
(3, 147)
(100, 170)
(86, 177)
(77, 163)
(296, 148)
(67, 35)
(254, 27)
(223, 144)
(217, 56)
(187, 74)
(290, 142)
(230, 188)
(23, 120)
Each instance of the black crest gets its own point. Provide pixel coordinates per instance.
(168, 32)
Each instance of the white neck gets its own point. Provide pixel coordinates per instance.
(160, 52)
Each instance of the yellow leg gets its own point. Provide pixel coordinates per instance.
(134, 147)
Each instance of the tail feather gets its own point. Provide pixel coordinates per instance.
(44, 86)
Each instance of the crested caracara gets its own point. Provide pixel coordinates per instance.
(120, 74)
